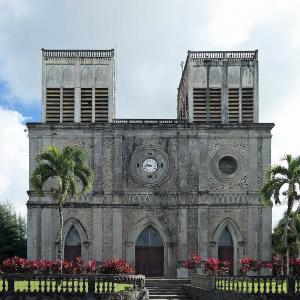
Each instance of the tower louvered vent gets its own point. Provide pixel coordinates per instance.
(86, 105)
(200, 110)
(68, 105)
(52, 105)
(233, 105)
(247, 105)
(215, 105)
(101, 105)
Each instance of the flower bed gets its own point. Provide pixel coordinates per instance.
(77, 266)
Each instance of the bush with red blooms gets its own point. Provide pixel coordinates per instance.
(250, 264)
(117, 266)
(192, 262)
(214, 266)
(211, 266)
(17, 265)
(44, 266)
(91, 267)
(295, 266)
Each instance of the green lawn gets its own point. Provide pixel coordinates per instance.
(268, 286)
(76, 286)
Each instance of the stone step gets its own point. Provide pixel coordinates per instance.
(166, 294)
(174, 296)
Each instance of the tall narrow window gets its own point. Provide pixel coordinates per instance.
(233, 105)
(86, 105)
(53, 105)
(200, 110)
(72, 245)
(101, 105)
(68, 105)
(215, 105)
(247, 105)
(225, 248)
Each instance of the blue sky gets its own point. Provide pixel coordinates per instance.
(152, 39)
(31, 111)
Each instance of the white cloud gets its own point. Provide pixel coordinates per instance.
(231, 22)
(153, 38)
(13, 160)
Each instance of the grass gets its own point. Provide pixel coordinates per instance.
(77, 286)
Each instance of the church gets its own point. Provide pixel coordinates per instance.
(163, 188)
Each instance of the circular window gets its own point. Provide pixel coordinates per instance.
(227, 165)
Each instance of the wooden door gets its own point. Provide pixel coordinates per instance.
(226, 253)
(149, 260)
(71, 252)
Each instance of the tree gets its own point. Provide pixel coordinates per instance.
(282, 183)
(12, 233)
(67, 168)
(293, 235)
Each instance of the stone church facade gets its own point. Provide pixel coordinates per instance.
(163, 189)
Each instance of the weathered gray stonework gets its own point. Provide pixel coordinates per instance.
(204, 172)
(191, 205)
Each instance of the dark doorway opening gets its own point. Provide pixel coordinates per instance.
(72, 245)
(225, 249)
(149, 253)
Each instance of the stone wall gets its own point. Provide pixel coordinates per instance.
(189, 204)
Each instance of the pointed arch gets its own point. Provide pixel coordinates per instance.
(248, 76)
(86, 78)
(101, 75)
(237, 240)
(53, 79)
(215, 77)
(76, 224)
(232, 228)
(134, 234)
(68, 77)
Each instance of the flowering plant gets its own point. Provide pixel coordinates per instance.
(116, 266)
(192, 262)
(214, 266)
(17, 265)
(250, 264)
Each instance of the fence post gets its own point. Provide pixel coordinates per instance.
(11, 283)
(91, 284)
(291, 285)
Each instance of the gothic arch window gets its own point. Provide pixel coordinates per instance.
(225, 248)
(149, 253)
(149, 237)
(72, 245)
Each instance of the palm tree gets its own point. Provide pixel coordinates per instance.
(283, 184)
(67, 168)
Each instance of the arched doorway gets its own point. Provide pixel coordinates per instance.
(149, 253)
(226, 249)
(72, 245)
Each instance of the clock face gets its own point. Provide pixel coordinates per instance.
(150, 165)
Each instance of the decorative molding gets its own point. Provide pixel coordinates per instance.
(227, 199)
(236, 182)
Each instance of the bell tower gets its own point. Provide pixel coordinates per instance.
(219, 86)
(78, 86)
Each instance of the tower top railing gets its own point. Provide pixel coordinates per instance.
(220, 55)
(77, 53)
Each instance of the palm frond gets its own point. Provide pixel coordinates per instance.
(40, 175)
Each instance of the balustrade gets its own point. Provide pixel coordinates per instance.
(78, 284)
(259, 284)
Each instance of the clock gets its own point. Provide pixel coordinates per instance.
(150, 165)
